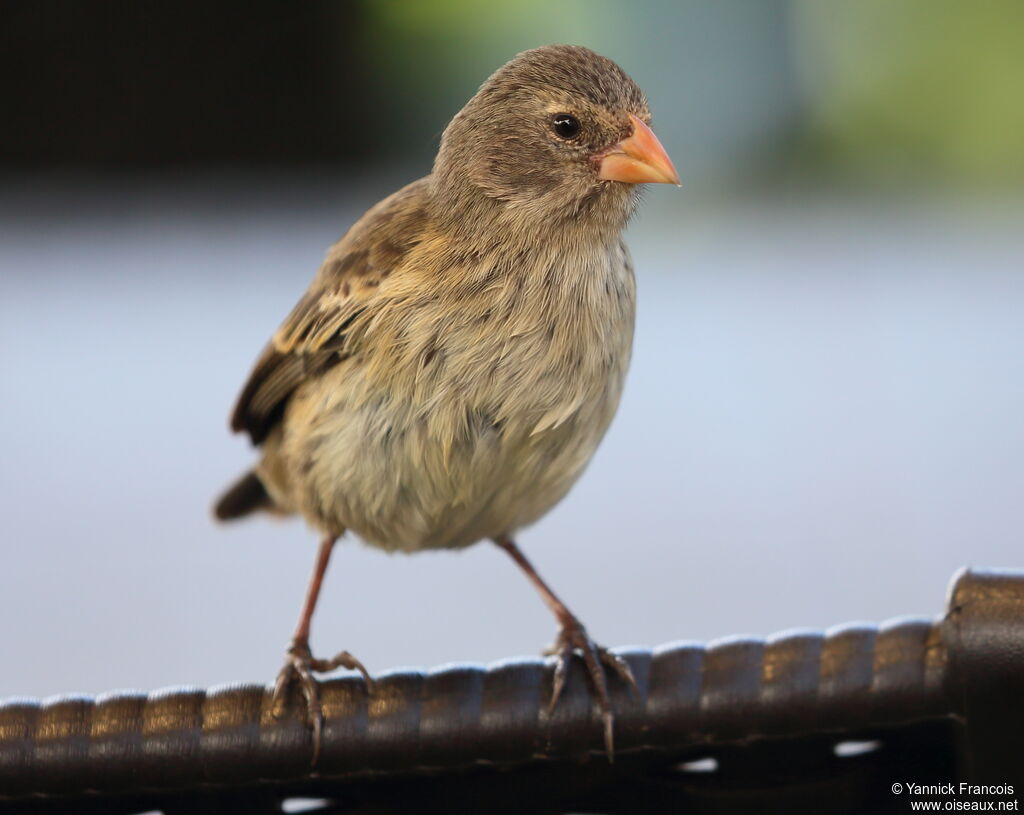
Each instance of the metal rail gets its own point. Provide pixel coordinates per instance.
(954, 685)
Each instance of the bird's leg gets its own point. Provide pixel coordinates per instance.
(572, 636)
(300, 665)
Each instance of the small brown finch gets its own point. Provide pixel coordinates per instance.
(459, 355)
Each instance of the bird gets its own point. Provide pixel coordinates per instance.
(459, 355)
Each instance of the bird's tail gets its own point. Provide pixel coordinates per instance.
(243, 497)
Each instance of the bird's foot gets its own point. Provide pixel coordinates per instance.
(299, 668)
(573, 637)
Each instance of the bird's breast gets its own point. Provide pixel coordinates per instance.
(548, 332)
(478, 409)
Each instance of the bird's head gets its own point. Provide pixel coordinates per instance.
(558, 134)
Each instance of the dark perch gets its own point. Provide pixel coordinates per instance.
(942, 699)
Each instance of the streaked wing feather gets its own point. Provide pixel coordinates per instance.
(313, 337)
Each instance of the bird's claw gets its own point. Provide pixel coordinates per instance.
(299, 668)
(573, 637)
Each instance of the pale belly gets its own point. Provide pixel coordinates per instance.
(400, 479)
(477, 438)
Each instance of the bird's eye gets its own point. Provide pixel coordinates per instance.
(565, 125)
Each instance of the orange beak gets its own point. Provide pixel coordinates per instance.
(638, 159)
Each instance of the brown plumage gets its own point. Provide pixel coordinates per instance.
(462, 349)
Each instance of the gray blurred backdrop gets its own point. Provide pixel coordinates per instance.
(824, 414)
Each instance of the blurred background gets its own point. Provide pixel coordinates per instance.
(823, 417)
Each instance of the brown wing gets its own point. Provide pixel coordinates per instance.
(314, 337)
(274, 378)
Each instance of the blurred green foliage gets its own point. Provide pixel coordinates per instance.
(925, 89)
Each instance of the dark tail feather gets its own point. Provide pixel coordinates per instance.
(246, 495)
